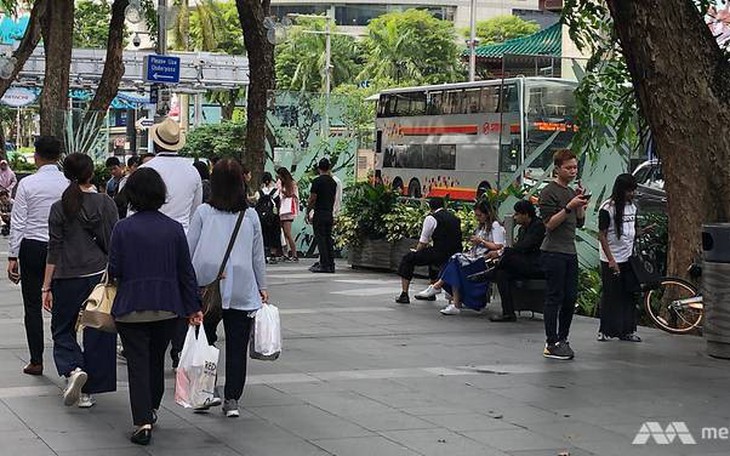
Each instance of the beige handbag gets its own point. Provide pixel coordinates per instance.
(96, 311)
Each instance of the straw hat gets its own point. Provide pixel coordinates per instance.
(167, 135)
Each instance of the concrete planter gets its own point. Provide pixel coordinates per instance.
(371, 253)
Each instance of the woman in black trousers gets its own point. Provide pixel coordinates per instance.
(149, 259)
(79, 227)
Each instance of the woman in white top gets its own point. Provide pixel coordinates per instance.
(243, 288)
(617, 229)
(487, 240)
(288, 209)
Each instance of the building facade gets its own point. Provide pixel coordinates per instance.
(355, 14)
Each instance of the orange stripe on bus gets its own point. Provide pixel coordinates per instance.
(445, 130)
(455, 193)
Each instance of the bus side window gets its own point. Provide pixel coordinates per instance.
(414, 156)
(471, 97)
(431, 156)
(490, 99)
(447, 157)
(390, 105)
(435, 103)
(455, 101)
(509, 102)
(418, 103)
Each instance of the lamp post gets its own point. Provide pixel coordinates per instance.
(472, 41)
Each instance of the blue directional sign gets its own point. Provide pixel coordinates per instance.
(162, 68)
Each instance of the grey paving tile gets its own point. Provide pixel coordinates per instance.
(518, 440)
(364, 446)
(441, 442)
(107, 452)
(460, 422)
(309, 422)
(389, 421)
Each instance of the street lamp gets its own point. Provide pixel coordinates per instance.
(472, 41)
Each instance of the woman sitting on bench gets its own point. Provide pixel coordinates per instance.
(487, 241)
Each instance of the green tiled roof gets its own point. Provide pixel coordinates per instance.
(545, 42)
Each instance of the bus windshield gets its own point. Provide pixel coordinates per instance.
(550, 108)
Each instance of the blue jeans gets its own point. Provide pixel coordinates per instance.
(98, 358)
(561, 274)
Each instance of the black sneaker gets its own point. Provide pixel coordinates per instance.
(503, 318)
(403, 299)
(556, 351)
(566, 348)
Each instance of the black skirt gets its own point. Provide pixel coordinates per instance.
(271, 232)
(617, 308)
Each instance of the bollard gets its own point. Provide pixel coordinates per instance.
(716, 288)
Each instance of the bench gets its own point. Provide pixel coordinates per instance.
(528, 294)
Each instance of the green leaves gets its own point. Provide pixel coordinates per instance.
(606, 107)
(502, 28)
(216, 140)
(91, 24)
(411, 48)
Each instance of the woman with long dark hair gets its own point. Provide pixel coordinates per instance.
(288, 209)
(267, 206)
(150, 261)
(79, 228)
(488, 239)
(617, 229)
(243, 287)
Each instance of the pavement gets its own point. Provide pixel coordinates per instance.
(361, 375)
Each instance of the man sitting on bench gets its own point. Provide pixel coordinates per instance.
(444, 229)
(521, 261)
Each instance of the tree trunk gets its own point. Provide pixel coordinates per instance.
(3, 152)
(57, 30)
(28, 43)
(260, 52)
(114, 64)
(682, 81)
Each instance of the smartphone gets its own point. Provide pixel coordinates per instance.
(587, 195)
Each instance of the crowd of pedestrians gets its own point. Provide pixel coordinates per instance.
(157, 230)
(160, 230)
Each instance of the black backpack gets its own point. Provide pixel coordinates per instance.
(267, 208)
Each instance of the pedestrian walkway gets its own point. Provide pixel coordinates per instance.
(361, 375)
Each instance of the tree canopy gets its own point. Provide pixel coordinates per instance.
(91, 24)
(502, 28)
(411, 47)
(300, 60)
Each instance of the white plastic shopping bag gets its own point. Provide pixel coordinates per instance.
(266, 335)
(196, 373)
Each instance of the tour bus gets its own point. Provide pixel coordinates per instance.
(463, 139)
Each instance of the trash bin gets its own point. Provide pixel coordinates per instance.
(716, 288)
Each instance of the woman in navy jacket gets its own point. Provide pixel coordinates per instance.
(149, 258)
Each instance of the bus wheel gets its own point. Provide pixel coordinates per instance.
(483, 188)
(397, 185)
(414, 188)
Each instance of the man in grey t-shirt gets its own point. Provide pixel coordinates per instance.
(563, 210)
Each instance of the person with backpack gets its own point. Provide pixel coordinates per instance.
(267, 207)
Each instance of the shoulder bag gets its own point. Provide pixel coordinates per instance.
(212, 298)
(96, 312)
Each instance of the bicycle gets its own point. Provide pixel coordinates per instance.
(676, 305)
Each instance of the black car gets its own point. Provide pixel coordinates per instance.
(650, 194)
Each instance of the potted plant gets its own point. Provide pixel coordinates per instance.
(360, 227)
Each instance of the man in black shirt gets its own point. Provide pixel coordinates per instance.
(322, 201)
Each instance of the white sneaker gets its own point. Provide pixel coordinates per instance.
(451, 310)
(76, 381)
(429, 292)
(86, 401)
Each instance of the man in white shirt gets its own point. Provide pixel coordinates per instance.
(29, 240)
(184, 193)
(184, 187)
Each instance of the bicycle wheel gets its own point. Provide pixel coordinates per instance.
(664, 307)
